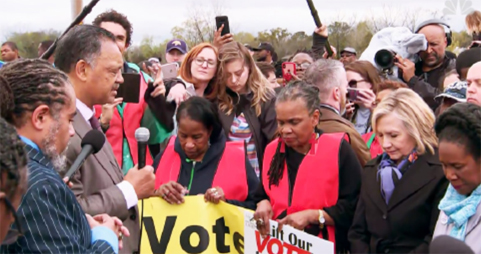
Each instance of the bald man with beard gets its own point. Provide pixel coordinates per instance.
(426, 76)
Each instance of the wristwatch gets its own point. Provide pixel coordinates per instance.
(322, 220)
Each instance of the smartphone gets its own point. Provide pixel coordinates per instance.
(288, 69)
(352, 94)
(130, 89)
(222, 20)
(169, 71)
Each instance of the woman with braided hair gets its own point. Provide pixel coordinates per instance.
(310, 179)
(13, 179)
(459, 133)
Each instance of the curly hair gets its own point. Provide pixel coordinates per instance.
(13, 161)
(296, 90)
(28, 83)
(461, 123)
(118, 18)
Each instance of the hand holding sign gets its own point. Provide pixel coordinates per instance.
(262, 216)
(214, 195)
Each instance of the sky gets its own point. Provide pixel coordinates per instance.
(156, 18)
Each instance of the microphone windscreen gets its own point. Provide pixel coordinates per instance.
(447, 245)
(94, 138)
(142, 134)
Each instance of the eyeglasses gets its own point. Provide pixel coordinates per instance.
(201, 61)
(303, 66)
(353, 83)
(13, 233)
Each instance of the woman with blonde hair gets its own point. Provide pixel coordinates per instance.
(401, 190)
(245, 100)
(473, 24)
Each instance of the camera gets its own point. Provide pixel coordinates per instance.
(385, 59)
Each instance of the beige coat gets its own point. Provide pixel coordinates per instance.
(473, 231)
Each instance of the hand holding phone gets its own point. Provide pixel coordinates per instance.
(222, 34)
(288, 71)
(169, 71)
(352, 94)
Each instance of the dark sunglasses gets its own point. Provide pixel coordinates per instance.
(12, 233)
(353, 83)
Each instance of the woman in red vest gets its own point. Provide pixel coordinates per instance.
(200, 161)
(310, 180)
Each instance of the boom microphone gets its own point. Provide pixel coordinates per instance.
(446, 244)
(92, 142)
(142, 136)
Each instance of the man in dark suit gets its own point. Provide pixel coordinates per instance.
(40, 102)
(93, 62)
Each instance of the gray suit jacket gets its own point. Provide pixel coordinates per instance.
(94, 184)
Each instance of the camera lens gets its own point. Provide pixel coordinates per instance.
(384, 58)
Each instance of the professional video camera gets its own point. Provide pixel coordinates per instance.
(388, 43)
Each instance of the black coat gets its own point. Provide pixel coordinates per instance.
(407, 224)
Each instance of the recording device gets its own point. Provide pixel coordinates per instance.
(130, 89)
(92, 142)
(385, 59)
(288, 69)
(169, 71)
(446, 244)
(142, 136)
(222, 20)
(85, 11)
(317, 20)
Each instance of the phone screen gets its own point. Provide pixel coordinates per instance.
(130, 89)
(352, 94)
(222, 20)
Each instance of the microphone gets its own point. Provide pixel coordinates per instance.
(142, 136)
(446, 244)
(92, 142)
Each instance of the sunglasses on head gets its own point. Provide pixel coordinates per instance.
(16, 232)
(353, 83)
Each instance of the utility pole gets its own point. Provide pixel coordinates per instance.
(77, 6)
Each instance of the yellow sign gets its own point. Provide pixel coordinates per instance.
(200, 227)
(192, 227)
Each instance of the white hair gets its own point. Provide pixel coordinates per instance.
(326, 74)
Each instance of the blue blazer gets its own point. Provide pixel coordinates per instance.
(50, 216)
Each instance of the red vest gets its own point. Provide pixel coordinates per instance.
(133, 113)
(317, 181)
(374, 146)
(230, 175)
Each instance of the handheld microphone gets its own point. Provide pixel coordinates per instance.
(446, 244)
(142, 136)
(92, 142)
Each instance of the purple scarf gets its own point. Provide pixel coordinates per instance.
(386, 170)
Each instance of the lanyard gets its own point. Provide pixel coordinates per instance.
(371, 139)
(191, 173)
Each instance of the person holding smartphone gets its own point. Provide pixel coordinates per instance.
(363, 80)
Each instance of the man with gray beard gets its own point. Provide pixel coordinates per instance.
(40, 102)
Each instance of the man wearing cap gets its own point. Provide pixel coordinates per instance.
(266, 53)
(176, 50)
(454, 93)
(425, 76)
(348, 55)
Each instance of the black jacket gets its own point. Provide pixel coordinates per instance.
(263, 127)
(429, 84)
(204, 171)
(407, 224)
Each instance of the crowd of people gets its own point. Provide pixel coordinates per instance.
(336, 149)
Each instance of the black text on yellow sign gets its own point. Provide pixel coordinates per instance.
(198, 232)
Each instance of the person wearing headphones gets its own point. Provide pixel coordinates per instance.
(425, 76)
